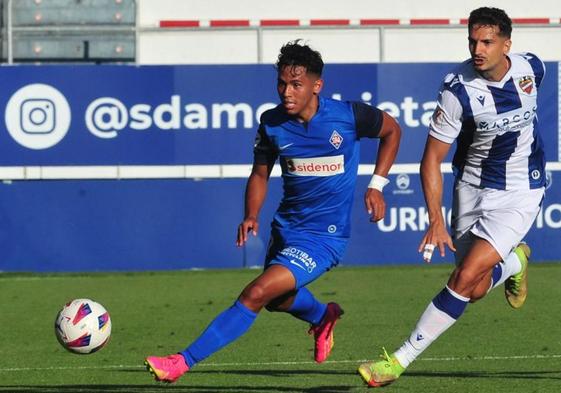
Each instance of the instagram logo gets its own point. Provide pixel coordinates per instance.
(37, 116)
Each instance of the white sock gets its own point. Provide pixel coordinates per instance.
(504, 269)
(440, 314)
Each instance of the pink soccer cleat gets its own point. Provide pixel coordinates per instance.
(167, 368)
(323, 333)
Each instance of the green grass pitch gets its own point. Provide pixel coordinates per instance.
(491, 349)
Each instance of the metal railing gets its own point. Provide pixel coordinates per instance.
(63, 31)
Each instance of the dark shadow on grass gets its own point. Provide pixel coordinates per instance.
(168, 388)
(553, 375)
(184, 386)
(269, 373)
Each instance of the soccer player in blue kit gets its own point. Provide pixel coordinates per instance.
(488, 104)
(316, 141)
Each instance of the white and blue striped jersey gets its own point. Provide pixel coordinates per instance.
(319, 162)
(495, 125)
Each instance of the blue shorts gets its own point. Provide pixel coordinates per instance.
(306, 256)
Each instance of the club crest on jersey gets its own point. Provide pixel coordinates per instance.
(526, 84)
(336, 139)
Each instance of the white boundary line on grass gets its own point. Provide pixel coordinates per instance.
(439, 359)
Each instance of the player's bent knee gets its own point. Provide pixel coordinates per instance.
(281, 303)
(272, 308)
(466, 279)
(254, 297)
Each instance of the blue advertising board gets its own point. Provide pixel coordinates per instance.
(86, 154)
(162, 115)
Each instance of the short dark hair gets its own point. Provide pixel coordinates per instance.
(489, 16)
(294, 54)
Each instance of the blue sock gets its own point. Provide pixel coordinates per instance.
(497, 275)
(450, 302)
(225, 328)
(306, 307)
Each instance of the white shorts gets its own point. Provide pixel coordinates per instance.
(502, 217)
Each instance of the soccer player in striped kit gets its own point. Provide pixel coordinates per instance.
(488, 106)
(316, 141)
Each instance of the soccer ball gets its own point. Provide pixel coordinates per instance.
(83, 326)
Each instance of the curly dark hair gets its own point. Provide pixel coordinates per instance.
(489, 16)
(294, 54)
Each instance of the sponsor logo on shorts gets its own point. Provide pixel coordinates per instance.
(300, 258)
(316, 166)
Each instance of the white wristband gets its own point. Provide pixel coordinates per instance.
(378, 182)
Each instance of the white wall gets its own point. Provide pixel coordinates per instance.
(356, 44)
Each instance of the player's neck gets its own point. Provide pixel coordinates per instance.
(307, 113)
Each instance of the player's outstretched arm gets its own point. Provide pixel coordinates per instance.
(437, 235)
(255, 192)
(390, 135)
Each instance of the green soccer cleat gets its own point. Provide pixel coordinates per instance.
(382, 372)
(516, 286)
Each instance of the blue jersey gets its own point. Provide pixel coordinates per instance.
(319, 162)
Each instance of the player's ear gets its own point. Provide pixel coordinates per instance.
(318, 85)
(507, 45)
